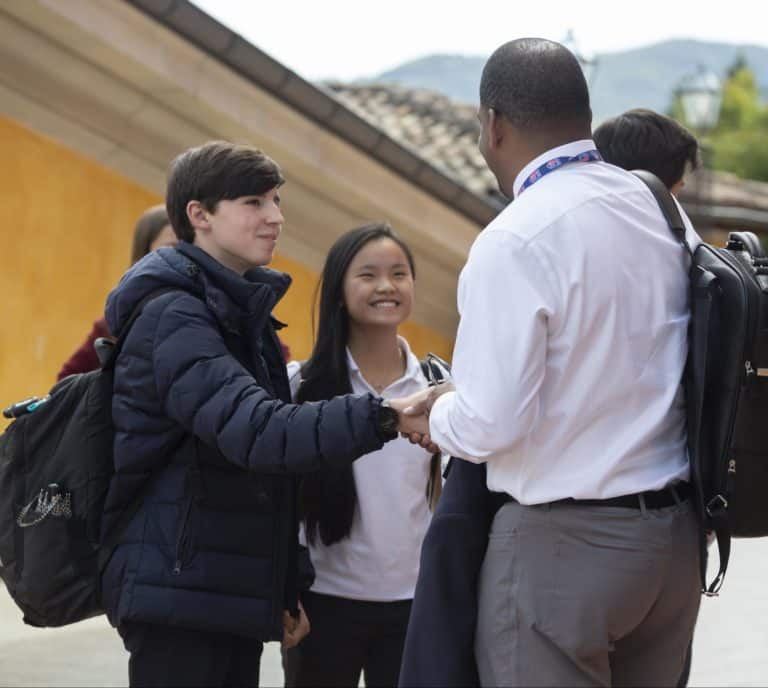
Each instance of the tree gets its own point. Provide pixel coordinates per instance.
(741, 108)
(739, 142)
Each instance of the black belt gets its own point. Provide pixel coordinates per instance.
(653, 499)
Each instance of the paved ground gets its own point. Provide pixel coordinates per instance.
(729, 649)
(86, 654)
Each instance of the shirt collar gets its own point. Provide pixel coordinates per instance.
(566, 150)
(412, 365)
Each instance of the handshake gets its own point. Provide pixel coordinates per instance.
(413, 414)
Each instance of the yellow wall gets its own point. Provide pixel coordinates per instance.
(66, 225)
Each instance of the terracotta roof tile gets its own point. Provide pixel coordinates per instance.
(440, 130)
(444, 132)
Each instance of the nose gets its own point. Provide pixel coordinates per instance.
(275, 214)
(384, 284)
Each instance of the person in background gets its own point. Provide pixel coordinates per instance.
(646, 140)
(152, 231)
(363, 523)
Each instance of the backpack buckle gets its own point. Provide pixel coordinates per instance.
(717, 503)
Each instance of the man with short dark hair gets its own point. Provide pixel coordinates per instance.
(567, 367)
(646, 140)
(208, 447)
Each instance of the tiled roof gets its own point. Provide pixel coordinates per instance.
(441, 130)
(444, 132)
(727, 189)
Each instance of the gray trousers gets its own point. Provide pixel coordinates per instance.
(574, 595)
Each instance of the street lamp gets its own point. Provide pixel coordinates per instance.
(588, 64)
(700, 95)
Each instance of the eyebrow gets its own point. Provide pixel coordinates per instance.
(371, 266)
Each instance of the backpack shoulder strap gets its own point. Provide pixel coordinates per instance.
(715, 511)
(435, 369)
(118, 343)
(667, 204)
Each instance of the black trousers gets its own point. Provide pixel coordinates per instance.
(168, 656)
(347, 637)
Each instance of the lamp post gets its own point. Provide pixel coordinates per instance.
(700, 95)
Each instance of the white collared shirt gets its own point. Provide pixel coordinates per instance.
(572, 340)
(379, 561)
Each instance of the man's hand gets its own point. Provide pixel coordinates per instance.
(414, 421)
(294, 630)
(413, 414)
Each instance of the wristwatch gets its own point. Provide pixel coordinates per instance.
(386, 421)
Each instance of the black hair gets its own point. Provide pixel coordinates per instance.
(646, 140)
(148, 226)
(328, 496)
(215, 171)
(536, 84)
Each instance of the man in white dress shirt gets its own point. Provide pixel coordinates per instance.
(567, 369)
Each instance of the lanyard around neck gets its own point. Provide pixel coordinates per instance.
(556, 163)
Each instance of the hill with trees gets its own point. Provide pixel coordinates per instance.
(643, 77)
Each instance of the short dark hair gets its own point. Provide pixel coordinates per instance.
(216, 171)
(645, 140)
(148, 226)
(536, 84)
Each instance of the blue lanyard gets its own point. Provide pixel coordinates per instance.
(556, 163)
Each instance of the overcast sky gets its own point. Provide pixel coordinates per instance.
(347, 39)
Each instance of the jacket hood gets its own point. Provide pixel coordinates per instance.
(189, 268)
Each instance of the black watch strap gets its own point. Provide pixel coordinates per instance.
(386, 421)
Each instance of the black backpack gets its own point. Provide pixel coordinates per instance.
(55, 469)
(726, 384)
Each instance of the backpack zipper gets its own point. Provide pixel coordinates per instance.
(737, 267)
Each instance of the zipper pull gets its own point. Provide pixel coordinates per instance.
(177, 568)
(750, 371)
(732, 466)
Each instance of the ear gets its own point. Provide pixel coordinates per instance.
(197, 215)
(677, 187)
(496, 129)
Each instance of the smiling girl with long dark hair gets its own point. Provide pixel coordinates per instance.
(363, 525)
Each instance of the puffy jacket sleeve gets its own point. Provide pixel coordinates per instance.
(209, 393)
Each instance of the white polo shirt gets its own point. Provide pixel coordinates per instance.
(379, 561)
(572, 340)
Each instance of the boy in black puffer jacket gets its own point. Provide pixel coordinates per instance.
(208, 567)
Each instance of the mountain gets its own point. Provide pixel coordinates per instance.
(642, 77)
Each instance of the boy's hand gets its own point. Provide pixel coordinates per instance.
(294, 630)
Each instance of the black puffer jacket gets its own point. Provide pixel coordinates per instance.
(201, 417)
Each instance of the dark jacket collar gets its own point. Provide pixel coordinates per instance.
(239, 303)
(233, 298)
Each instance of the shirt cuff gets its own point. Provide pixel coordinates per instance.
(440, 425)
